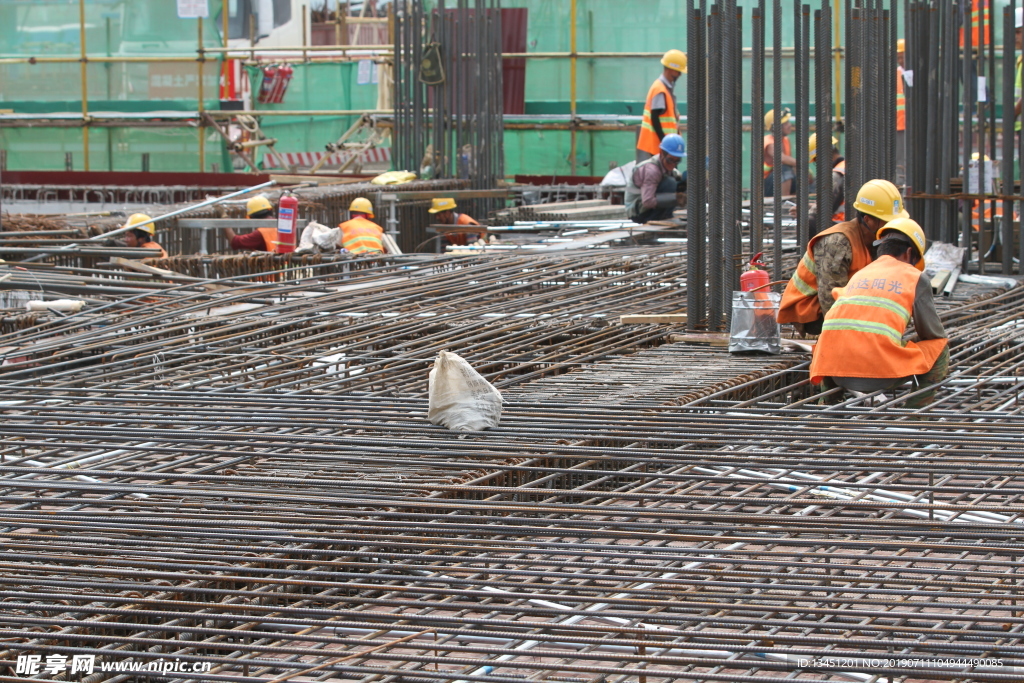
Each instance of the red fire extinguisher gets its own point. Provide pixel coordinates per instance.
(753, 277)
(284, 77)
(287, 214)
(267, 86)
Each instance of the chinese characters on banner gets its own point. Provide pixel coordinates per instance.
(171, 81)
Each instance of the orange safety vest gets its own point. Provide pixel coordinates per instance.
(787, 149)
(977, 7)
(461, 239)
(901, 101)
(800, 300)
(269, 238)
(840, 215)
(862, 335)
(649, 140)
(154, 245)
(362, 236)
(977, 216)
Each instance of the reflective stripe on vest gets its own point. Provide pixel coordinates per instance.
(800, 300)
(977, 7)
(269, 238)
(669, 119)
(901, 101)
(766, 163)
(361, 236)
(862, 335)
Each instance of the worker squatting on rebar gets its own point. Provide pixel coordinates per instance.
(655, 187)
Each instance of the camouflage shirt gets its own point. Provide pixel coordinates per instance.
(833, 257)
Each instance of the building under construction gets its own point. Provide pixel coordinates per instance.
(218, 465)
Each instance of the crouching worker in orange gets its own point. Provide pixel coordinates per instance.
(862, 346)
(444, 214)
(142, 237)
(360, 235)
(260, 239)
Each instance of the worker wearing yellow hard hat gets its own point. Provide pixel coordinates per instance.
(360, 235)
(142, 236)
(835, 255)
(861, 347)
(661, 113)
(263, 238)
(784, 156)
(444, 213)
(838, 205)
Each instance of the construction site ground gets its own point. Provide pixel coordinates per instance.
(238, 474)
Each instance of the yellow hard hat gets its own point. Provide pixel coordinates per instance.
(812, 145)
(901, 45)
(439, 205)
(137, 218)
(769, 118)
(881, 199)
(978, 155)
(912, 230)
(675, 59)
(362, 205)
(257, 204)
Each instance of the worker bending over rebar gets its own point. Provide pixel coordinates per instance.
(654, 189)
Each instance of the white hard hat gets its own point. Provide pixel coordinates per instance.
(1019, 18)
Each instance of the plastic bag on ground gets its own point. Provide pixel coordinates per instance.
(754, 327)
(460, 398)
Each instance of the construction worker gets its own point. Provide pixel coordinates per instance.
(993, 210)
(861, 347)
(901, 114)
(835, 255)
(142, 237)
(444, 213)
(360, 235)
(260, 239)
(838, 205)
(785, 158)
(661, 115)
(655, 188)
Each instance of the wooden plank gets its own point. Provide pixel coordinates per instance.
(670, 318)
(702, 339)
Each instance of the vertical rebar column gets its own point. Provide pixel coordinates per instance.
(731, 152)
(1006, 170)
(855, 165)
(801, 53)
(932, 117)
(736, 162)
(890, 19)
(696, 206)
(967, 132)
(823, 113)
(715, 158)
(756, 131)
(777, 136)
(947, 146)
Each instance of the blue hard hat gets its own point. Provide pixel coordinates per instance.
(673, 144)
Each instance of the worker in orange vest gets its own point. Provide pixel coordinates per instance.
(835, 255)
(260, 239)
(444, 213)
(901, 114)
(838, 205)
(661, 115)
(360, 235)
(142, 237)
(785, 158)
(861, 347)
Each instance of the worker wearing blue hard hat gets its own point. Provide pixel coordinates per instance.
(655, 188)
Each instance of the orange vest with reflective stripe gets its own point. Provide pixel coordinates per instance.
(901, 101)
(154, 245)
(840, 215)
(362, 236)
(787, 149)
(460, 239)
(862, 335)
(989, 215)
(800, 300)
(649, 140)
(977, 7)
(269, 238)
